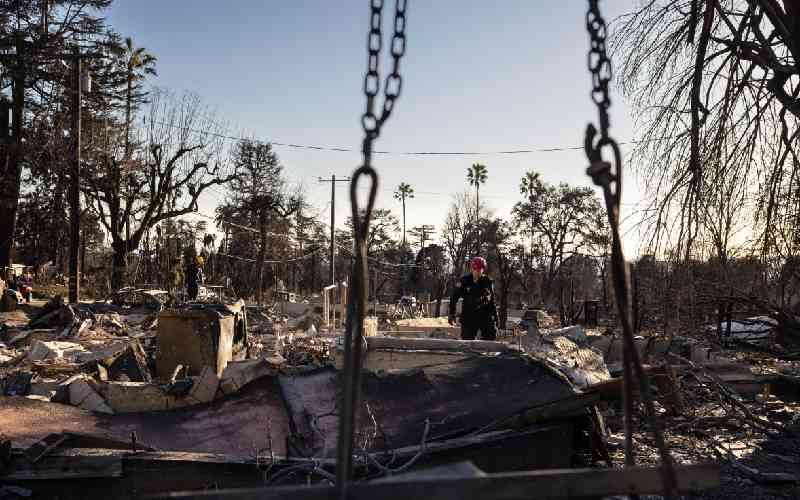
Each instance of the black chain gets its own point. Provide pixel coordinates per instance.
(599, 63)
(609, 177)
(356, 306)
(370, 122)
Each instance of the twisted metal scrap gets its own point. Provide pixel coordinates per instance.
(609, 177)
(356, 306)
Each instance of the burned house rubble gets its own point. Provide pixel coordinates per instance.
(182, 316)
(235, 396)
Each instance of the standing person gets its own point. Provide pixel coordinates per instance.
(478, 311)
(176, 278)
(194, 278)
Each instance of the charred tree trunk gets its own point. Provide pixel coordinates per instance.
(638, 310)
(117, 265)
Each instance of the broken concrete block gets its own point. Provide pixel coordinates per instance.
(45, 388)
(134, 397)
(62, 389)
(8, 302)
(240, 373)
(68, 351)
(205, 387)
(83, 395)
(132, 362)
(18, 384)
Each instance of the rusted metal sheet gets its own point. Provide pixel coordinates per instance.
(199, 336)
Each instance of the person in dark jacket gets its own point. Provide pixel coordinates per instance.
(194, 277)
(478, 311)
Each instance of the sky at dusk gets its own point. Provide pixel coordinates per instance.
(478, 76)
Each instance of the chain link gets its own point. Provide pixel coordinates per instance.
(370, 122)
(600, 68)
(599, 63)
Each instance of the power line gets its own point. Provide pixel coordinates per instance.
(526, 150)
(375, 260)
(272, 261)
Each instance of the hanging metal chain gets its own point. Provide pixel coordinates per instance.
(356, 306)
(609, 177)
(370, 122)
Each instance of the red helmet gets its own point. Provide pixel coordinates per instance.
(477, 264)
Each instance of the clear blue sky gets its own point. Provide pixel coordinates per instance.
(478, 75)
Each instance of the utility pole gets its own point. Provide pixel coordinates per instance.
(333, 180)
(11, 172)
(74, 188)
(423, 232)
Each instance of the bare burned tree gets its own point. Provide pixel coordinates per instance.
(715, 84)
(260, 195)
(178, 160)
(458, 231)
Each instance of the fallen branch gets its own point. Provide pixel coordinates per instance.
(731, 396)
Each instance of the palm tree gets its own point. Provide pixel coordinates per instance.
(477, 175)
(139, 63)
(404, 191)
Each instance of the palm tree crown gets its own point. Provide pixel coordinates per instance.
(140, 63)
(477, 174)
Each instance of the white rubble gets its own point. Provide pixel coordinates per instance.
(66, 351)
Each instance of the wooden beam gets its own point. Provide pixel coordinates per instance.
(44, 446)
(83, 440)
(439, 345)
(62, 467)
(549, 483)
